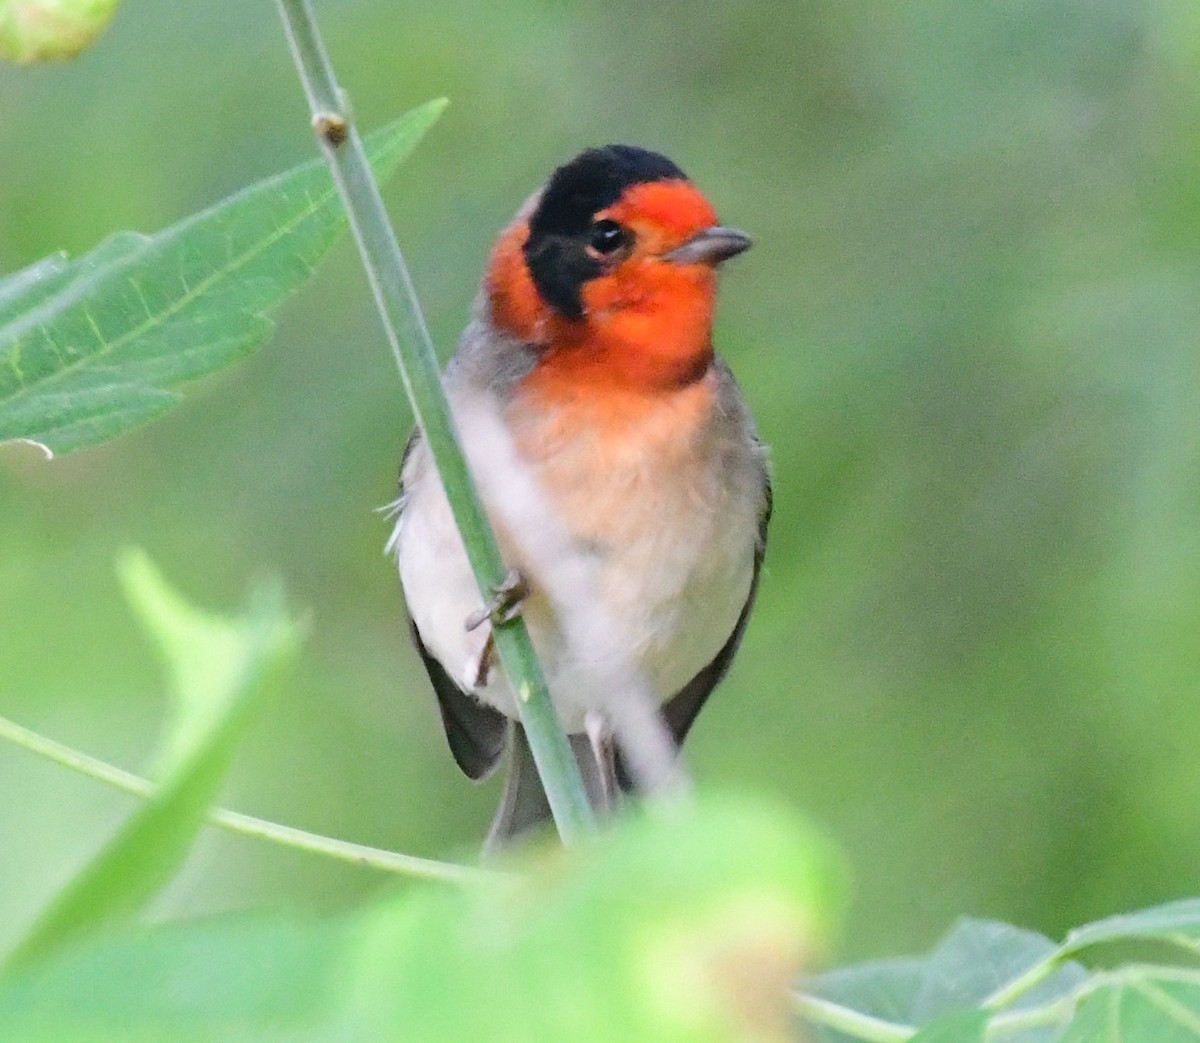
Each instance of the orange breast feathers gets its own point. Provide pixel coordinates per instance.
(615, 462)
(647, 322)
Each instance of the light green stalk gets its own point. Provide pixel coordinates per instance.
(413, 349)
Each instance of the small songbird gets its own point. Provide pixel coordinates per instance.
(591, 339)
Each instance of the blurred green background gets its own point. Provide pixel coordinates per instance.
(969, 330)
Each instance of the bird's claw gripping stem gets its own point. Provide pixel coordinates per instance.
(507, 598)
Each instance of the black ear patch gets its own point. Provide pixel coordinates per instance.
(559, 267)
(556, 250)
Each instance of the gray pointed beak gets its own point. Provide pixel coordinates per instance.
(712, 246)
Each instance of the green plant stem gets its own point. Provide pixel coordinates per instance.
(852, 1022)
(409, 338)
(235, 822)
(1028, 979)
(1048, 1014)
(876, 1030)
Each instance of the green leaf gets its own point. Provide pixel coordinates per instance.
(220, 669)
(977, 958)
(1176, 922)
(883, 989)
(974, 960)
(679, 926)
(28, 285)
(210, 661)
(684, 926)
(1140, 1005)
(95, 347)
(963, 1026)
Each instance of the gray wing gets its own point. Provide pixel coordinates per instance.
(475, 733)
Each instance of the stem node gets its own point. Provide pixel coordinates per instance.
(331, 128)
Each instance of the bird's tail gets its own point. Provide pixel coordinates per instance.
(524, 806)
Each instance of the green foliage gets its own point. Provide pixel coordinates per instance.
(967, 331)
(220, 669)
(1177, 923)
(1147, 1004)
(94, 347)
(1017, 986)
(964, 1026)
(678, 927)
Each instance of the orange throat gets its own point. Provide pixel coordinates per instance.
(646, 326)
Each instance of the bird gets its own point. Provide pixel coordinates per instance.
(591, 341)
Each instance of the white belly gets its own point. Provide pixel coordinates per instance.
(668, 532)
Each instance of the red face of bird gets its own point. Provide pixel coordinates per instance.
(612, 274)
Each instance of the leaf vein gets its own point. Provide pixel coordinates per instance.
(233, 263)
(1168, 1005)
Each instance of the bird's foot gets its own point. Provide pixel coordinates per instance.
(505, 606)
(483, 666)
(600, 736)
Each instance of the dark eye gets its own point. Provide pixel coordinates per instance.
(607, 237)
